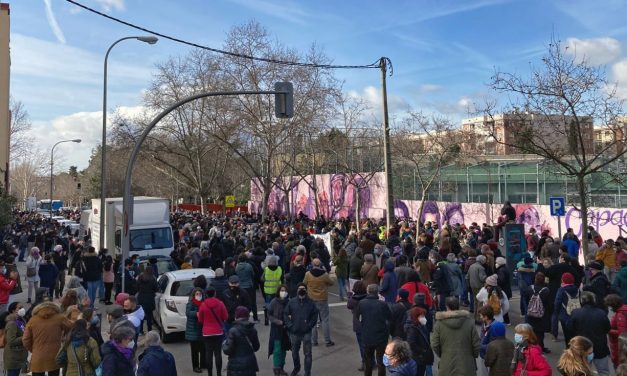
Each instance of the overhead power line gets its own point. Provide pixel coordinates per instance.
(376, 64)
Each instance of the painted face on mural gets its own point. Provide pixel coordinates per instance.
(338, 189)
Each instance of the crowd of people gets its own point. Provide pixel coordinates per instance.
(416, 292)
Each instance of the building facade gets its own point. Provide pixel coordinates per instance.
(5, 114)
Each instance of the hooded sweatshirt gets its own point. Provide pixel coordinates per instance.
(318, 282)
(389, 283)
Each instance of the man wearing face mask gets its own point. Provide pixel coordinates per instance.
(6, 286)
(234, 297)
(134, 313)
(300, 318)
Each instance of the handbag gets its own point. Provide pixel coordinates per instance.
(31, 271)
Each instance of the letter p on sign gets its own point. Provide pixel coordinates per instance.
(558, 206)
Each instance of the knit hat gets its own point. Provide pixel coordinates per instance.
(58, 248)
(596, 265)
(234, 279)
(497, 329)
(501, 261)
(492, 280)
(403, 294)
(219, 272)
(273, 261)
(568, 278)
(115, 310)
(242, 313)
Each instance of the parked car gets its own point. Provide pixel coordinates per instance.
(172, 297)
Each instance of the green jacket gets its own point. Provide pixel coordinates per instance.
(456, 342)
(193, 328)
(14, 352)
(341, 266)
(620, 283)
(87, 355)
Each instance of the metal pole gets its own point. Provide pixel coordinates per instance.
(505, 187)
(126, 200)
(383, 62)
(538, 183)
(415, 194)
(467, 186)
(499, 174)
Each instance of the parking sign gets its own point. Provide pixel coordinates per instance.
(558, 206)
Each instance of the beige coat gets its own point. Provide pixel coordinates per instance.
(43, 335)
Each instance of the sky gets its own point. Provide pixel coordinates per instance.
(443, 51)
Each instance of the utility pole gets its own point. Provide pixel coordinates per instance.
(389, 213)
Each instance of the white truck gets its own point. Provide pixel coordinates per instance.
(150, 234)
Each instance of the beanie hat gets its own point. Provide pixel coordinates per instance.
(403, 294)
(492, 280)
(528, 260)
(568, 278)
(501, 261)
(242, 313)
(597, 265)
(497, 329)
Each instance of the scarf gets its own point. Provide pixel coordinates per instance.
(128, 353)
(197, 303)
(20, 323)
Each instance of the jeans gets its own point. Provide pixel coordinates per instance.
(252, 294)
(13, 372)
(198, 354)
(442, 302)
(92, 288)
(360, 344)
(21, 257)
(278, 355)
(370, 351)
(323, 308)
(32, 285)
(59, 284)
(296, 340)
(213, 348)
(341, 285)
(602, 365)
(101, 290)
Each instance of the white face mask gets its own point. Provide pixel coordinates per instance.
(198, 297)
(283, 294)
(422, 320)
(131, 344)
(21, 312)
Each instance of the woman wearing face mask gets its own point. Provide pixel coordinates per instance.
(279, 342)
(81, 351)
(528, 359)
(418, 339)
(117, 353)
(15, 354)
(193, 330)
(576, 359)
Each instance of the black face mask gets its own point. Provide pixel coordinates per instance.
(302, 293)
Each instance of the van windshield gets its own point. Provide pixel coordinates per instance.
(151, 238)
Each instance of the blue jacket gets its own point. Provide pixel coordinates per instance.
(561, 301)
(405, 369)
(155, 361)
(193, 328)
(300, 315)
(374, 315)
(48, 273)
(389, 284)
(572, 246)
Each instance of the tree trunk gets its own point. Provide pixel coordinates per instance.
(266, 196)
(288, 211)
(581, 184)
(202, 203)
(357, 208)
(421, 208)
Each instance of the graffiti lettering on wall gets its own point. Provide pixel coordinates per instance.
(339, 196)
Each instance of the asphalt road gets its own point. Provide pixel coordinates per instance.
(341, 359)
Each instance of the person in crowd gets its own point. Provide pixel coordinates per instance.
(591, 322)
(94, 327)
(234, 297)
(476, 277)
(193, 329)
(414, 286)
(6, 286)
(607, 256)
(116, 317)
(369, 271)
(213, 315)
(358, 293)
(300, 318)
(318, 282)
(598, 284)
(147, 289)
(504, 281)
(220, 282)
(241, 344)
(75, 284)
(620, 281)
(279, 341)
(401, 269)
(577, 357)
(134, 313)
(93, 274)
(528, 358)
(492, 295)
(15, 355)
(341, 272)
(499, 352)
(418, 339)
(48, 274)
(33, 261)
(486, 314)
(526, 270)
(354, 267)
(567, 299)
(60, 259)
(398, 312)
(618, 324)
(457, 276)
(398, 359)
(272, 277)
(10, 266)
(296, 274)
(81, 351)
(373, 315)
(246, 274)
(537, 314)
(130, 281)
(455, 340)
(118, 354)
(42, 337)
(154, 360)
(389, 282)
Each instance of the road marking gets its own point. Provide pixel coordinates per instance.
(340, 304)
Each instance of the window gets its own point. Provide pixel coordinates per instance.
(182, 288)
(163, 283)
(151, 238)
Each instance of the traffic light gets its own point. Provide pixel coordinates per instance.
(284, 102)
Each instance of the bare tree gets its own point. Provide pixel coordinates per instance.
(553, 110)
(28, 175)
(20, 126)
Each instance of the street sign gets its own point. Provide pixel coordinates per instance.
(558, 206)
(229, 201)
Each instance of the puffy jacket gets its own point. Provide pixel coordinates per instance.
(318, 282)
(114, 363)
(234, 298)
(221, 284)
(561, 301)
(212, 314)
(535, 364)
(93, 267)
(415, 287)
(155, 361)
(43, 334)
(374, 315)
(48, 273)
(592, 322)
(240, 345)
(406, 369)
(456, 341)
(15, 354)
(354, 267)
(620, 283)
(300, 315)
(600, 286)
(618, 326)
(6, 285)
(87, 355)
(418, 339)
(246, 274)
(389, 283)
(193, 327)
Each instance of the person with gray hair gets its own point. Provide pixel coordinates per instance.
(476, 277)
(118, 353)
(373, 315)
(155, 361)
(398, 359)
(369, 271)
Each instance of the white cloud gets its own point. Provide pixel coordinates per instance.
(374, 99)
(430, 88)
(52, 22)
(596, 51)
(619, 75)
(109, 5)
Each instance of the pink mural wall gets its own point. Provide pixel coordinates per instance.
(337, 196)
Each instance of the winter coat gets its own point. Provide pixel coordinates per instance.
(618, 326)
(456, 277)
(234, 298)
(43, 335)
(6, 286)
(442, 279)
(373, 315)
(600, 286)
(155, 361)
(295, 276)
(220, 284)
(15, 354)
(483, 297)
(31, 262)
(93, 267)
(535, 364)
(406, 369)
(193, 327)
(354, 267)
(389, 283)
(84, 351)
(504, 280)
(300, 316)
(418, 339)
(114, 363)
(146, 291)
(456, 342)
(369, 274)
(352, 303)
(401, 274)
(418, 287)
(476, 275)
(18, 287)
(561, 301)
(212, 314)
(278, 332)
(240, 345)
(539, 324)
(398, 311)
(48, 273)
(318, 282)
(136, 316)
(246, 274)
(592, 323)
(498, 356)
(341, 266)
(554, 273)
(620, 283)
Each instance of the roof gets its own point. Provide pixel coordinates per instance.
(187, 274)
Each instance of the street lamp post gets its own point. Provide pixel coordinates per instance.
(77, 140)
(103, 187)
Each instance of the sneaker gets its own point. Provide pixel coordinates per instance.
(546, 351)
(314, 343)
(330, 343)
(197, 370)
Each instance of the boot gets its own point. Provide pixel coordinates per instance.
(276, 371)
(265, 317)
(282, 372)
(362, 367)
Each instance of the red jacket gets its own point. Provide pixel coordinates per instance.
(535, 363)
(421, 287)
(212, 314)
(618, 325)
(6, 285)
